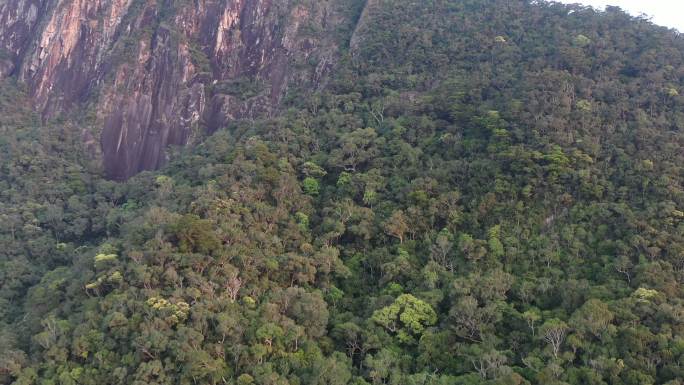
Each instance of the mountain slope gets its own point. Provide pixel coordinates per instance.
(155, 73)
(479, 192)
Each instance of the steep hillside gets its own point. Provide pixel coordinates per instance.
(441, 192)
(152, 73)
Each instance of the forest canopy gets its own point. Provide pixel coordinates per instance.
(485, 192)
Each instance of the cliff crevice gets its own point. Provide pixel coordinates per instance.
(155, 73)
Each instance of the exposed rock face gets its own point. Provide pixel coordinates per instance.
(18, 21)
(156, 72)
(65, 62)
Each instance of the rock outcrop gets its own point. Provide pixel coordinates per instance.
(155, 73)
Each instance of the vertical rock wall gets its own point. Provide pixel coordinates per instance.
(157, 72)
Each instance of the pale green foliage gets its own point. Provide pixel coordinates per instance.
(647, 164)
(103, 261)
(245, 379)
(645, 295)
(581, 40)
(162, 180)
(173, 312)
(116, 277)
(105, 264)
(408, 316)
(311, 169)
(583, 105)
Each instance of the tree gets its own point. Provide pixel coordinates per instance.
(381, 365)
(496, 248)
(407, 316)
(311, 169)
(307, 309)
(553, 331)
(470, 320)
(441, 249)
(397, 225)
(266, 249)
(355, 148)
(311, 186)
(594, 317)
(334, 370)
(233, 287)
(195, 235)
(488, 362)
(472, 249)
(268, 334)
(624, 265)
(531, 317)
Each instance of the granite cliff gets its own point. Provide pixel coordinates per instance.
(154, 73)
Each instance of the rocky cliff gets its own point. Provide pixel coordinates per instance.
(154, 73)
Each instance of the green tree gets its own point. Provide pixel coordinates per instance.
(311, 186)
(554, 331)
(407, 316)
(397, 225)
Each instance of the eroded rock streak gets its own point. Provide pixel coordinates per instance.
(155, 73)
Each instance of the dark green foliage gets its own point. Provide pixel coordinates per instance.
(486, 192)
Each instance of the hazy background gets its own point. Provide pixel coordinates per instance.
(669, 13)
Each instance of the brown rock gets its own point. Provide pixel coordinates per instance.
(156, 75)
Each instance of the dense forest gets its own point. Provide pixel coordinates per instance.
(484, 192)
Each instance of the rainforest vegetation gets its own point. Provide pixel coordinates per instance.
(485, 192)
